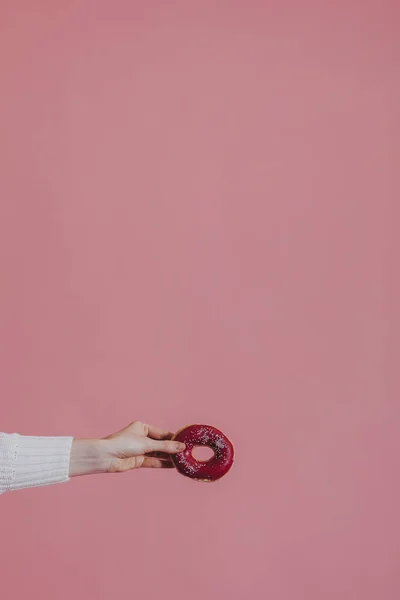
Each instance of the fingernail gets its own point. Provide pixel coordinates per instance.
(180, 447)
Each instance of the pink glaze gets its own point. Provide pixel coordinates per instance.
(204, 435)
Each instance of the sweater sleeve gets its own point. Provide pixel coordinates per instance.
(29, 461)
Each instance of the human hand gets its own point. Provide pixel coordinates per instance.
(137, 446)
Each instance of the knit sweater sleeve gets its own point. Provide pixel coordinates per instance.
(29, 461)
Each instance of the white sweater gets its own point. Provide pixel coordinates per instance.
(28, 461)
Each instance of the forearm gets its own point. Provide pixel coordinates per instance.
(88, 456)
(30, 461)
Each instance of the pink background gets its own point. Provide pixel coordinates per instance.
(197, 225)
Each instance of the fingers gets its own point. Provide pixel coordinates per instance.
(150, 462)
(162, 455)
(166, 446)
(122, 465)
(156, 433)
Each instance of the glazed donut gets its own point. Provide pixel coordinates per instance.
(203, 470)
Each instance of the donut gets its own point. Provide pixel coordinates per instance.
(203, 470)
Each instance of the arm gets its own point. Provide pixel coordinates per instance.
(28, 461)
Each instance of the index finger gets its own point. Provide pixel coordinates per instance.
(155, 433)
(165, 446)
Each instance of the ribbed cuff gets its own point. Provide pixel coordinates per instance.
(40, 461)
(8, 457)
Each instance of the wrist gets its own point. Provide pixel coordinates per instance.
(88, 457)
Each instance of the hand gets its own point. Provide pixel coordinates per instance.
(138, 445)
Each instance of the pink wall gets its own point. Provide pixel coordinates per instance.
(195, 225)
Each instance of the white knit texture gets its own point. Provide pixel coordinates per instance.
(8, 458)
(29, 461)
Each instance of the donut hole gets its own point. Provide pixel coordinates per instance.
(202, 453)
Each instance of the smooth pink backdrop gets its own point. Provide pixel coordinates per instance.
(197, 224)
